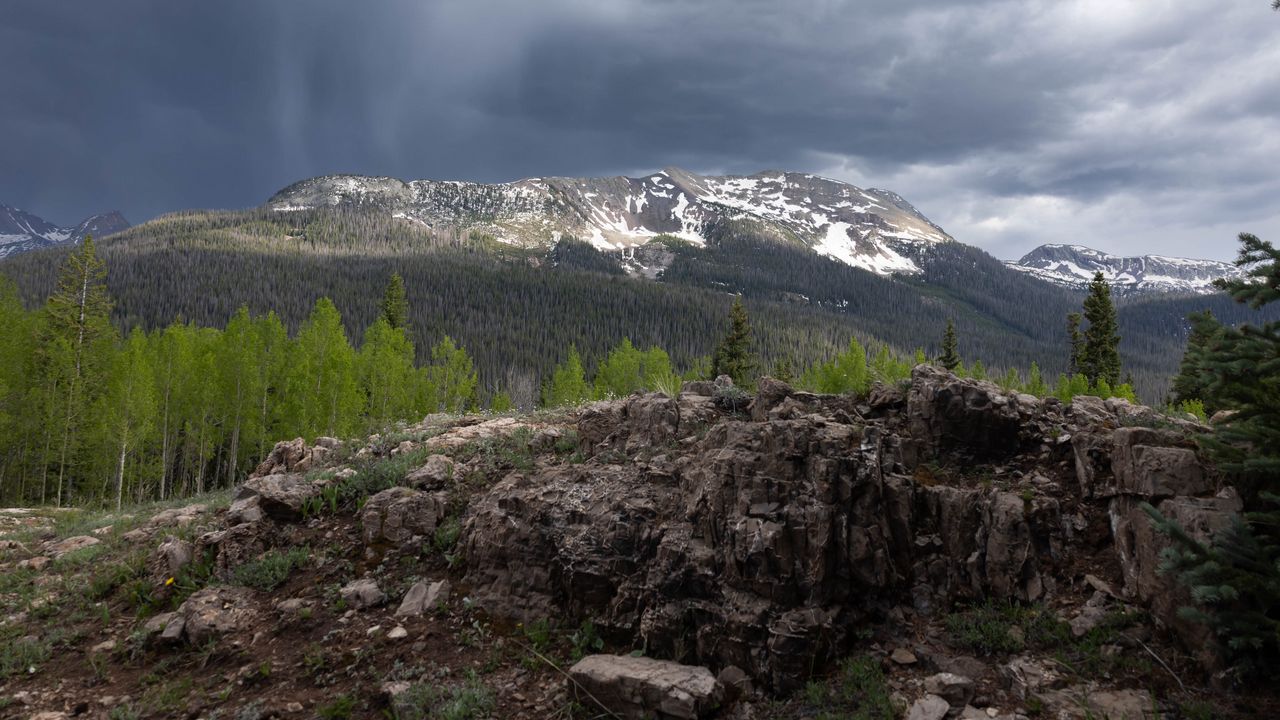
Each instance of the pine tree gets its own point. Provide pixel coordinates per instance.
(76, 350)
(733, 356)
(1100, 356)
(1235, 577)
(950, 357)
(1192, 381)
(395, 304)
(1077, 343)
(567, 384)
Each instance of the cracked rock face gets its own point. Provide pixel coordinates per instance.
(765, 543)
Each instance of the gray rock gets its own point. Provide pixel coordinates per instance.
(423, 597)
(171, 556)
(70, 545)
(957, 690)
(1145, 465)
(436, 473)
(216, 611)
(394, 516)
(280, 497)
(363, 593)
(640, 687)
(929, 707)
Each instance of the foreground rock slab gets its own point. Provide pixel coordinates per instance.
(639, 687)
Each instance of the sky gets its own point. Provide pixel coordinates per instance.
(1132, 126)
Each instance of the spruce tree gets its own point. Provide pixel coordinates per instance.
(1100, 359)
(395, 304)
(1077, 343)
(732, 356)
(1192, 381)
(950, 357)
(1235, 577)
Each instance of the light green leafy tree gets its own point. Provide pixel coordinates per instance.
(567, 384)
(387, 374)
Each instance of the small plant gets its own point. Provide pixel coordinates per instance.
(23, 656)
(858, 691)
(447, 534)
(272, 569)
(1006, 628)
(426, 702)
(340, 708)
(125, 711)
(538, 633)
(585, 640)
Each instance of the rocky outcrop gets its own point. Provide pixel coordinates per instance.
(769, 537)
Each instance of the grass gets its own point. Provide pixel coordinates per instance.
(339, 708)
(1006, 628)
(1002, 628)
(272, 569)
(858, 691)
(23, 655)
(423, 702)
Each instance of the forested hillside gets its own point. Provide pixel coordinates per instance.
(516, 311)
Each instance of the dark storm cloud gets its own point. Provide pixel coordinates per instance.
(1137, 126)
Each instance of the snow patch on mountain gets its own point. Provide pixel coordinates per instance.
(1075, 266)
(20, 231)
(863, 228)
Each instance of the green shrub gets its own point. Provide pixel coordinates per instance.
(272, 569)
(858, 691)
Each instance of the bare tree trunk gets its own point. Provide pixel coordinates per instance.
(124, 445)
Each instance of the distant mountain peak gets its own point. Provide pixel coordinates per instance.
(872, 229)
(20, 231)
(1075, 265)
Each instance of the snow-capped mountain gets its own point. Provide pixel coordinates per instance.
(21, 231)
(871, 229)
(1075, 265)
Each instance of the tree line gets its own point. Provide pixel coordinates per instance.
(90, 414)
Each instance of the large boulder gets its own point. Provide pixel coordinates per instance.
(396, 515)
(640, 687)
(281, 497)
(216, 611)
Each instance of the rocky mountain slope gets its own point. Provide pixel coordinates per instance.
(1074, 266)
(871, 229)
(21, 231)
(937, 549)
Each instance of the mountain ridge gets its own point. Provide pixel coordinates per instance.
(867, 228)
(21, 231)
(1074, 266)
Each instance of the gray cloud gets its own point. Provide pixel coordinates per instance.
(1131, 125)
